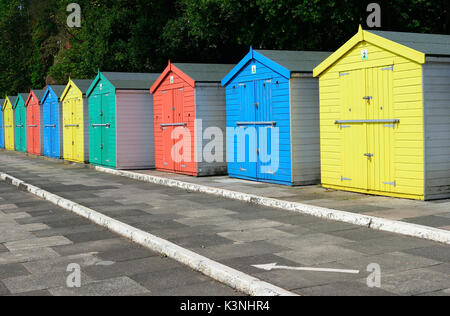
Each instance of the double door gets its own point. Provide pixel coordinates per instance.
(9, 128)
(33, 129)
(177, 133)
(51, 129)
(73, 129)
(102, 130)
(257, 145)
(21, 131)
(367, 128)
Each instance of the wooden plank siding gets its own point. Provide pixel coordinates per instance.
(135, 140)
(211, 110)
(437, 129)
(280, 107)
(407, 100)
(188, 117)
(305, 123)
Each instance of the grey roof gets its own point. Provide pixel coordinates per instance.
(2, 101)
(131, 81)
(205, 72)
(24, 96)
(12, 99)
(429, 44)
(39, 94)
(82, 84)
(58, 89)
(296, 61)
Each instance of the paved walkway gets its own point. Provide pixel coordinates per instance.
(241, 235)
(433, 214)
(39, 240)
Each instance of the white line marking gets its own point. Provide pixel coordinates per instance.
(274, 266)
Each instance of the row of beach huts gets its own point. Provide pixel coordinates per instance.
(372, 117)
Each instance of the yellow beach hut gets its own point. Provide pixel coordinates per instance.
(8, 116)
(385, 115)
(75, 121)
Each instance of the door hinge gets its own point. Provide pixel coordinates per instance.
(388, 68)
(341, 74)
(242, 169)
(346, 179)
(391, 183)
(390, 125)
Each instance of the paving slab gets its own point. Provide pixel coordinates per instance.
(12, 270)
(37, 266)
(236, 233)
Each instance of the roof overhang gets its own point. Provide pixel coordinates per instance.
(371, 38)
(66, 90)
(46, 93)
(171, 67)
(19, 97)
(97, 79)
(4, 103)
(30, 95)
(262, 59)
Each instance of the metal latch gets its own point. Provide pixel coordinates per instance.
(242, 169)
(101, 125)
(369, 155)
(368, 98)
(101, 146)
(256, 104)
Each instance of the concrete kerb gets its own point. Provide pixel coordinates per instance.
(217, 271)
(376, 223)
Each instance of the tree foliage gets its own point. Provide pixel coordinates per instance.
(37, 46)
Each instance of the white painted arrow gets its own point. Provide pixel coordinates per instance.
(275, 266)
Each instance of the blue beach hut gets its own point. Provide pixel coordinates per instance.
(51, 121)
(272, 103)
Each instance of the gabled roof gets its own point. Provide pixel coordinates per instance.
(20, 96)
(57, 90)
(205, 72)
(38, 93)
(193, 73)
(12, 100)
(281, 61)
(81, 84)
(126, 80)
(429, 44)
(413, 46)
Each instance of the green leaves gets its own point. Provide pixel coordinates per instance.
(37, 47)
